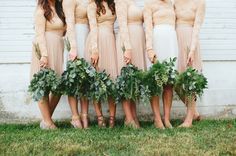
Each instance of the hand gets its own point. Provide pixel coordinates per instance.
(94, 58)
(152, 56)
(190, 58)
(72, 55)
(43, 62)
(127, 56)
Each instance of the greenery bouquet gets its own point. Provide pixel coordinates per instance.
(128, 83)
(43, 82)
(190, 84)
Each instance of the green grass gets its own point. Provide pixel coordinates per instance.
(208, 137)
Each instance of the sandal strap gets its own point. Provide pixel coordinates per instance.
(76, 117)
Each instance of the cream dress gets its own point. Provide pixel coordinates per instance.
(77, 24)
(161, 36)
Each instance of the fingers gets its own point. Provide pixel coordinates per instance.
(72, 57)
(127, 60)
(189, 61)
(154, 59)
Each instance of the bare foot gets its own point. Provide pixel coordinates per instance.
(197, 117)
(159, 124)
(47, 126)
(76, 122)
(185, 125)
(168, 124)
(131, 124)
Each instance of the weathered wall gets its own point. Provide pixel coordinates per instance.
(218, 39)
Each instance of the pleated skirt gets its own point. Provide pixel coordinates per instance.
(107, 50)
(55, 49)
(137, 39)
(82, 31)
(184, 34)
(165, 42)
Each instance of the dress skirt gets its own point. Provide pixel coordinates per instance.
(106, 48)
(55, 49)
(165, 42)
(82, 31)
(184, 34)
(137, 39)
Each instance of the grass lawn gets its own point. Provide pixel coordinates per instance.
(208, 137)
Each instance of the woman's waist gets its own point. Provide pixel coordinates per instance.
(164, 26)
(188, 23)
(81, 20)
(184, 25)
(58, 33)
(135, 22)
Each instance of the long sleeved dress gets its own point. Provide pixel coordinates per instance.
(131, 33)
(49, 37)
(190, 16)
(159, 17)
(101, 39)
(77, 24)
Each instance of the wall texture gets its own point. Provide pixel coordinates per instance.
(218, 40)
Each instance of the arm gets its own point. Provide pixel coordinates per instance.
(149, 31)
(122, 17)
(200, 15)
(69, 10)
(92, 13)
(40, 24)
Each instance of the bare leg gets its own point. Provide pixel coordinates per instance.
(98, 110)
(167, 102)
(190, 114)
(134, 113)
(75, 122)
(196, 113)
(46, 114)
(73, 102)
(156, 111)
(53, 101)
(84, 111)
(127, 110)
(112, 112)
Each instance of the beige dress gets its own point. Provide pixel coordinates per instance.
(101, 39)
(190, 16)
(49, 37)
(131, 33)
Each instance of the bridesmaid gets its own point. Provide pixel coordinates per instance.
(190, 16)
(131, 37)
(102, 49)
(77, 32)
(159, 17)
(49, 28)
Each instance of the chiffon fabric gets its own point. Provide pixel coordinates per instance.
(165, 42)
(101, 39)
(131, 34)
(82, 31)
(184, 33)
(49, 37)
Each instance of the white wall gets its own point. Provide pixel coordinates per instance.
(218, 40)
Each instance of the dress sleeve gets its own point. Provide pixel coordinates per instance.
(69, 10)
(122, 17)
(200, 15)
(92, 16)
(148, 24)
(40, 27)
